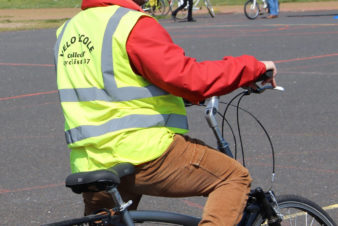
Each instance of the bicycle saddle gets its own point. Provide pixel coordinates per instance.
(98, 180)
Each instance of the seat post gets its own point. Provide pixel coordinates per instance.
(121, 206)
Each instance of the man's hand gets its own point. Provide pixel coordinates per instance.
(270, 65)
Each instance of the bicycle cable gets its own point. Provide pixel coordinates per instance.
(240, 96)
(239, 128)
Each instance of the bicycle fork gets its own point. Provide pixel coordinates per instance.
(263, 203)
(253, 5)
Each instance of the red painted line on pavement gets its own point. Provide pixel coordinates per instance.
(25, 65)
(326, 171)
(306, 58)
(2, 191)
(55, 91)
(28, 95)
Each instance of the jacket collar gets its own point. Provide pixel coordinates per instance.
(99, 3)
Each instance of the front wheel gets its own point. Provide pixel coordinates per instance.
(251, 9)
(297, 210)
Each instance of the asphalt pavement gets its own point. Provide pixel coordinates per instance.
(302, 120)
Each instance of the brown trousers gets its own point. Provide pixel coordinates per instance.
(187, 168)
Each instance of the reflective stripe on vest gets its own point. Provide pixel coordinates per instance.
(57, 45)
(112, 93)
(130, 121)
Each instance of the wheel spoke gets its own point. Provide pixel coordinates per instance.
(296, 210)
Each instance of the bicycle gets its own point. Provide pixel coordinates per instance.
(155, 7)
(262, 208)
(252, 8)
(207, 4)
(182, 14)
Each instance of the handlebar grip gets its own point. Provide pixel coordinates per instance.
(268, 74)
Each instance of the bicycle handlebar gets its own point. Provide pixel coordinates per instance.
(213, 105)
(268, 74)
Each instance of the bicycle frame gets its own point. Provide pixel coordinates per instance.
(254, 2)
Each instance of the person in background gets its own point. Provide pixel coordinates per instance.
(121, 82)
(190, 18)
(273, 9)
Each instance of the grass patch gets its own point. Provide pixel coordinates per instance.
(6, 21)
(10, 25)
(36, 4)
(57, 21)
(44, 24)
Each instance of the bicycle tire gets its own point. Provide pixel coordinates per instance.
(168, 4)
(140, 217)
(157, 217)
(297, 210)
(158, 9)
(182, 14)
(196, 4)
(210, 8)
(251, 11)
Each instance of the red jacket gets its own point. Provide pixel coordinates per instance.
(154, 56)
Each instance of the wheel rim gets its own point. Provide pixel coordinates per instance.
(251, 10)
(295, 213)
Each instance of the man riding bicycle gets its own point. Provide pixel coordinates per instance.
(121, 81)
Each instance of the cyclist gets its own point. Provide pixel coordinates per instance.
(181, 7)
(121, 80)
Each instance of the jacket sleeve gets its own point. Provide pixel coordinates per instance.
(154, 56)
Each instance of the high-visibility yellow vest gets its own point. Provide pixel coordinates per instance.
(112, 115)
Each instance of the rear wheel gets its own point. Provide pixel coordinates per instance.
(210, 8)
(251, 9)
(297, 210)
(183, 13)
(162, 218)
(168, 4)
(141, 217)
(159, 9)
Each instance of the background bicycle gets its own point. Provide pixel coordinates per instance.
(155, 7)
(198, 4)
(207, 4)
(254, 8)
